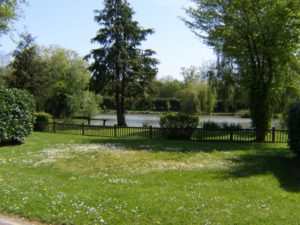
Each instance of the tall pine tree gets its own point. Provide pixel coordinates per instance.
(120, 68)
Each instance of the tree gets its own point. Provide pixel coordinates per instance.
(198, 98)
(169, 88)
(224, 78)
(191, 75)
(29, 71)
(119, 67)
(8, 13)
(69, 81)
(86, 103)
(261, 36)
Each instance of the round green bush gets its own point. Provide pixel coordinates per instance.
(16, 115)
(40, 118)
(211, 125)
(293, 124)
(178, 125)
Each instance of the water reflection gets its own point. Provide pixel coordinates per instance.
(138, 120)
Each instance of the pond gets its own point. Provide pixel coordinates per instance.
(138, 120)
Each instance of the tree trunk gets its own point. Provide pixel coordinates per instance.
(121, 118)
(120, 105)
(261, 110)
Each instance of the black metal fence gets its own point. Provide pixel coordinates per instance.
(155, 133)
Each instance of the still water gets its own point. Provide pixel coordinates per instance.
(138, 120)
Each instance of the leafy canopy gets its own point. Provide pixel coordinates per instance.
(9, 11)
(260, 36)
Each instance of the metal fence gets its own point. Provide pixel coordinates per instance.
(155, 133)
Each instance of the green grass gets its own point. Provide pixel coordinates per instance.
(85, 180)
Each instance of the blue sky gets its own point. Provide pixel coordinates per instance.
(70, 24)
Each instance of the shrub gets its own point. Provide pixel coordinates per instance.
(16, 115)
(231, 126)
(293, 123)
(178, 125)
(211, 125)
(41, 117)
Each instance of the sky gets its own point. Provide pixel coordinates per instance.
(70, 24)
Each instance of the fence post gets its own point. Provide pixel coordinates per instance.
(231, 134)
(273, 134)
(151, 132)
(54, 127)
(115, 130)
(83, 129)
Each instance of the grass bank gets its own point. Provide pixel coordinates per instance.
(84, 180)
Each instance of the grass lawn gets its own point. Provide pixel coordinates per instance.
(65, 179)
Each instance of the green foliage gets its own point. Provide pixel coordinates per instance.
(169, 88)
(189, 101)
(108, 103)
(9, 12)
(198, 98)
(120, 68)
(16, 115)
(67, 66)
(288, 90)
(4, 72)
(86, 104)
(54, 76)
(29, 71)
(261, 41)
(231, 126)
(178, 125)
(211, 125)
(41, 117)
(224, 78)
(70, 79)
(293, 123)
(59, 103)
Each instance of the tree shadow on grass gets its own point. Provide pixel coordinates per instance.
(281, 164)
(255, 159)
(183, 146)
(8, 144)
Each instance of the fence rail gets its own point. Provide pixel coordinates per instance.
(155, 133)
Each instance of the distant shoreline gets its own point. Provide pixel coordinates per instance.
(112, 112)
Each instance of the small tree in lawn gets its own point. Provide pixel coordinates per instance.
(120, 68)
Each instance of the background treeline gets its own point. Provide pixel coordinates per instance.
(213, 87)
(59, 80)
(205, 89)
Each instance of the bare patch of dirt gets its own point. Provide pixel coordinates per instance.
(9, 220)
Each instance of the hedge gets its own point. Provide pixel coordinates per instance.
(293, 123)
(16, 115)
(42, 117)
(178, 125)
